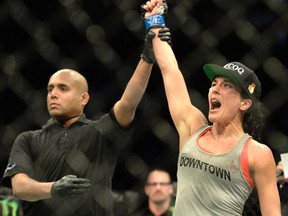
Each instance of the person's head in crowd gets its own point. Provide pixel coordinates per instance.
(159, 188)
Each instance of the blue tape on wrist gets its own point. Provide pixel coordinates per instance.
(156, 20)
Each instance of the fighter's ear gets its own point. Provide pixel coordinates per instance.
(245, 104)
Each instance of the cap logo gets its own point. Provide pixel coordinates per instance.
(234, 67)
(251, 88)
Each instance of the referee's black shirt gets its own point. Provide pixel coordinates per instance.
(86, 148)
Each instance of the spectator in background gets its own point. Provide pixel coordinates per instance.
(283, 188)
(159, 190)
(280, 174)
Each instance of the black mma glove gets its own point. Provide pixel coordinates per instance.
(148, 53)
(70, 185)
(165, 35)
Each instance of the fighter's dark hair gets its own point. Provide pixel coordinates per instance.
(254, 119)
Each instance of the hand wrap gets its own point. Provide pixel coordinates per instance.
(156, 20)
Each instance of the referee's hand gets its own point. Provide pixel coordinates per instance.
(70, 185)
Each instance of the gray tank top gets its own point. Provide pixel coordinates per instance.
(210, 184)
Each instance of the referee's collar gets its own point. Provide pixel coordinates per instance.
(52, 121)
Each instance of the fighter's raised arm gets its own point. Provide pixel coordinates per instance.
(186, 117)
(228, 146)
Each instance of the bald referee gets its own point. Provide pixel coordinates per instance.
(66, 167)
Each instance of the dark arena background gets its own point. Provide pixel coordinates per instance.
(103, 40)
